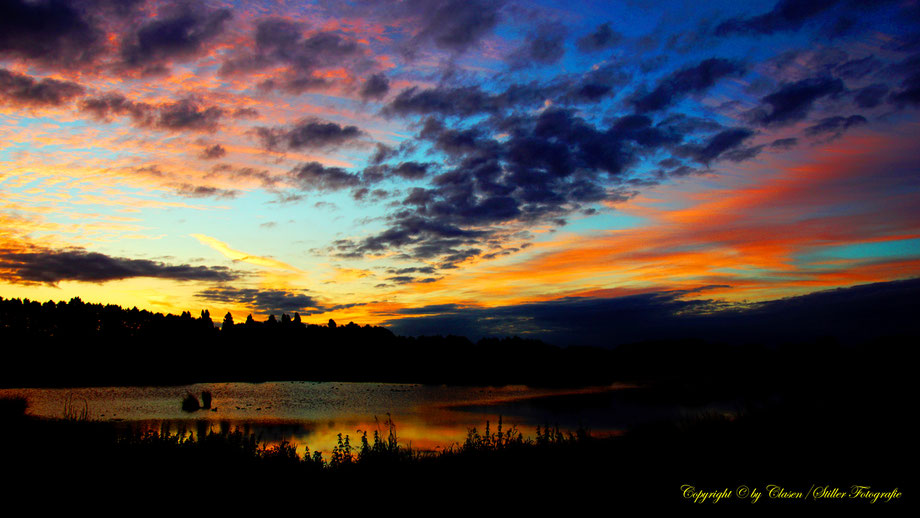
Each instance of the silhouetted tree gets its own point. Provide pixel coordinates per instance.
(331, 324)
(228, 322)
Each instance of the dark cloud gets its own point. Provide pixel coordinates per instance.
(282, 42)
(686, 81)
(268, 180)
(430, 309)
(459, 101)
(787, 15)
(405, 170)
(310, 133)
(723, 145)
(108, 105)
(784, 143)
(543, 46)
(909, 92)
(314, 176)
(49, 32)
(376, 87)
(548, 165)
(22, 90)
(364, 193)
(792, 102)
(245, 113)
(212, 152)
(415, 269)
(858, 68)
(270, 301)
(871, 96)
(188, 114)
(401, 279)
(179, 32)
(465, 101)
(847, 314)
(834, 127)
(411, 170)
(451, 25)
(183, 115)
(76, 264)
(602, 38)
(681, 124)
(590, 87)
(205, 191)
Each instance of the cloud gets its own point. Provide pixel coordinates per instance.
(48, 32)
(310, 133)
(236, 255)
(281, 42)
(720, 145)
(376, 87)
(48, 266)
(792, 102)
(108, 105)
(871, 96)
(187, 114)
(212, 152)
(549, 165)
(22, 90)
(686, 81)
(313, 176)
(459, 101)
(366, 194)
(465, 101)
(602, 38)
(268, 301)
(179, 32)
(406, 170)
(787, 15)
(858, 68)
(543, 46)
(451, 25)
(205, 191)
(264, 301)
(834, 127)
(784, 143)
(909, 92)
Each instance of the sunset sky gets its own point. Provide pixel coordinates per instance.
(385, 162)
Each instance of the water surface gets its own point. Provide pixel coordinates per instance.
(312, 414)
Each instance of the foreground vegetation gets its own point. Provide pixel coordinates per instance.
(795, 444)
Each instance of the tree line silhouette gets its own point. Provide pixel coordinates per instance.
(77, 343)
(82, 344)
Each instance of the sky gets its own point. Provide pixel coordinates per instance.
(456, 165)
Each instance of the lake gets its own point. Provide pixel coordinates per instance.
(427, 417)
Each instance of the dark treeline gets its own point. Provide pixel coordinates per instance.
(80, 344)
(76, 344)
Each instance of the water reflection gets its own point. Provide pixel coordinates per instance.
(313, 414)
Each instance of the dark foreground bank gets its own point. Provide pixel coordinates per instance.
(839, 436)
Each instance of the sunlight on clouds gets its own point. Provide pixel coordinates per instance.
(236, 255)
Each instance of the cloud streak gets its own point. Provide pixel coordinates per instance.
(53, 266)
